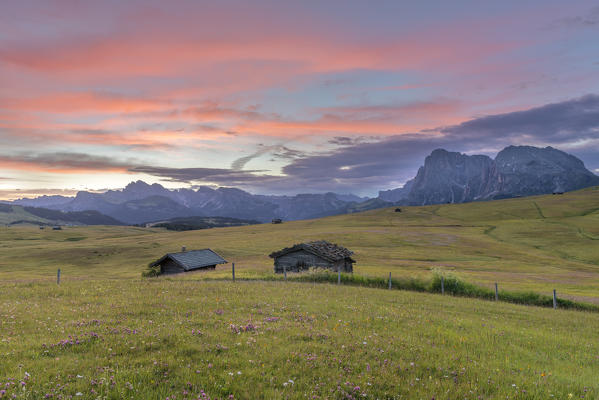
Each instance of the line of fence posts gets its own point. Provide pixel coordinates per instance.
(442, 284)
(390, 285)
(496, 292)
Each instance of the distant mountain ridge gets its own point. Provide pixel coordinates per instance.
(451, 177)
(140, 202)
(445, 177)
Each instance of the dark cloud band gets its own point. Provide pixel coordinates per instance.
(365, 166)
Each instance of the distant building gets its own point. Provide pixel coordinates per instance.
(398, 210)
(185, 261)
(319, 254)
(277, 221)
(56, 228)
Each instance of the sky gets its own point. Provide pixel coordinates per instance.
(285, 97)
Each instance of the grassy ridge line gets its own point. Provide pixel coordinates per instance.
(452, 285)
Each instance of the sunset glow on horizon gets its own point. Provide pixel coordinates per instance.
(285, 97)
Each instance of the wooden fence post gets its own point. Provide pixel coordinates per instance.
(389, 280)
(442, 284)
(338, 275)
(496, 292)
(58, 277)
(233, 271)
(554, 299)
(285, 272)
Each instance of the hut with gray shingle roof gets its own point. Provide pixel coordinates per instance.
(319, 254)
(185, 261)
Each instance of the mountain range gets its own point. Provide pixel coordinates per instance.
(445, 177)
(140, 202)
(517, 171)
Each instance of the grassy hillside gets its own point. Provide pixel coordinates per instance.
(162, 338)
(184, 337)
(10, 214)
(22, 215)
(536, 243)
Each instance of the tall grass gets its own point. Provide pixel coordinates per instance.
(452, 284)
(155, 339)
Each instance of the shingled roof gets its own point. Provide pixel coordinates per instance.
(193, 259)
(322, 248)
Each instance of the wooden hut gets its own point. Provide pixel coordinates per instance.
(185, 261)
(319, 254)
(277, 221)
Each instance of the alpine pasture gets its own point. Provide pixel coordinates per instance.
(105, 332)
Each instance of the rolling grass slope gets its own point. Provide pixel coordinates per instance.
(15, 214)
(535, 243)
(106, 333)
(162, 338)
(11, 214)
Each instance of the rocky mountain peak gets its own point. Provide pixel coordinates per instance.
(516, 171)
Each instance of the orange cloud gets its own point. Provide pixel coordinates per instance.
(82, 102)
(241, 56)
(365, 120)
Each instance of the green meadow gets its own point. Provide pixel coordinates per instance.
(163, 338)
(107, 333)
(535, 243)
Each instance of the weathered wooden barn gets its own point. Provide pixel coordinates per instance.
(185, 261)
(319, 254)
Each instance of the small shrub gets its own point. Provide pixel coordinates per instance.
(151, 271)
